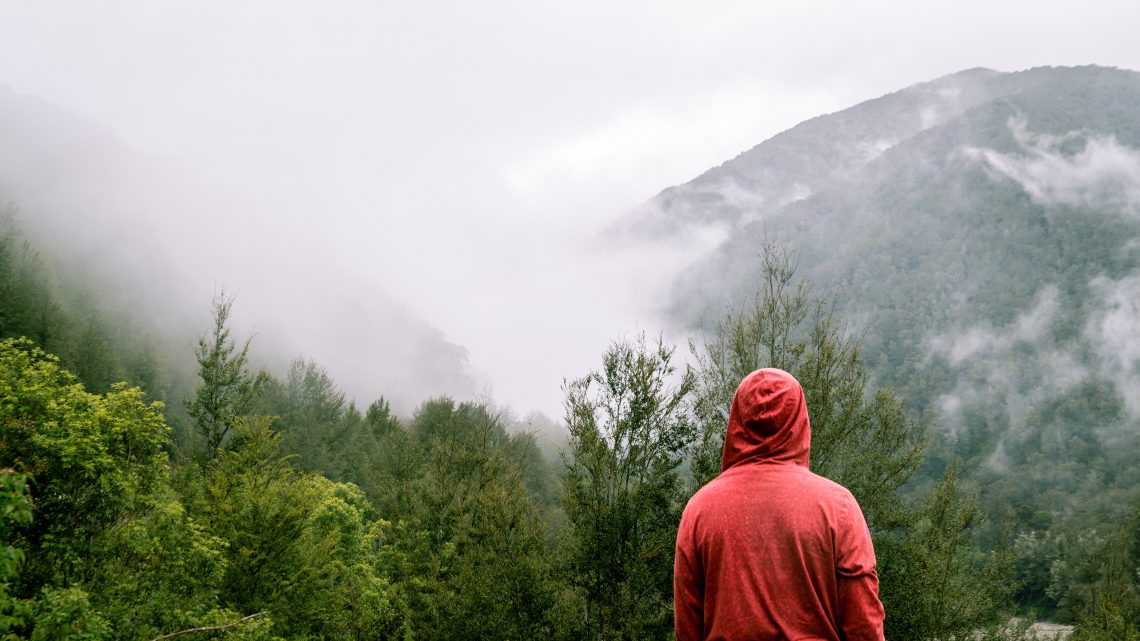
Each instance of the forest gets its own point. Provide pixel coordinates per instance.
(149, 491)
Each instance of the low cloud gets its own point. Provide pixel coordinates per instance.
(875, 148)
(984, 341)
(1078, 169)
(732, 201)
(994, 375)
(1115, 335)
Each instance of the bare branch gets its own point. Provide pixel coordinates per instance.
(210, 628)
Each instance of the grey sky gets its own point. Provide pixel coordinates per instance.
(460, 156)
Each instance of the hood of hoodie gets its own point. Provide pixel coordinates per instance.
(768, 422)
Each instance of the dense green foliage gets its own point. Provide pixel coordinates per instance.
(317, 521)
(295, 516)
(622, 491)
(966, 402)
(228, 390)
(108, 540)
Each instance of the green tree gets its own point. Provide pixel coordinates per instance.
(1106, 590)
(28, 307)
(89, 458)
(359, 460)
(936, 583)
(15, 510)
(380, 419)
(860, 439)
(108, 539)
(67, 614)
(467, 546)
(228, 389)
(311, 413)
(622, 492)
(296, 545)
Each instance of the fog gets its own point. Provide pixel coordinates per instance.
(356, 173)
(984, 340)
(1101, 174)
(993, 373)
(1113, 334)
(1074, 169)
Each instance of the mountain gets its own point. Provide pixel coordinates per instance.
(805, 159)
(981, 233)
(145, 234)
(949, 221)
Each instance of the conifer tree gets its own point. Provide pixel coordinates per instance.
(228, 388)
(860, 438)
(622, 491)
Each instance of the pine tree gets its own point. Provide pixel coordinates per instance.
(228, 389)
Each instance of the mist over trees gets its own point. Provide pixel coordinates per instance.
(284, 503)
(966, 369)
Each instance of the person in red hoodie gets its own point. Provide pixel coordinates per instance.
(769, 550)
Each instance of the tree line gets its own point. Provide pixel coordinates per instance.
(263, 507)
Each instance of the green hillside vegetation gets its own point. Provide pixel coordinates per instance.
(950, 270)
(279, 510)
(988, 264)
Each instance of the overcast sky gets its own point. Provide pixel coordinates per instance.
(463, 155)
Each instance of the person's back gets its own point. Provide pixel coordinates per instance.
(769, 550)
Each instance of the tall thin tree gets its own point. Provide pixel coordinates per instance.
(228, 388)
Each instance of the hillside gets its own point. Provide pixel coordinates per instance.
(138, 232)
(1013, 220)
(981, 233)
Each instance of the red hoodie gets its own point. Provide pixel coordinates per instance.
(769, 550)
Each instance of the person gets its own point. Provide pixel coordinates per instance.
(769, 550)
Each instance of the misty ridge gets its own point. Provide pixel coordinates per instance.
(958, 265)
(147, 224)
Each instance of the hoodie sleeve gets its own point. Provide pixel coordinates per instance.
(688, 587)
(860, 611)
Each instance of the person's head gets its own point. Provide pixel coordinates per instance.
(768, 421)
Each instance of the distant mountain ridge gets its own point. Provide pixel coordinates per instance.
(155, 231)
(804, 159)
(1006, 150)
(987, 252)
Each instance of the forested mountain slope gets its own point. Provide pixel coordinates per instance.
(1014, 222)
(981, 233)
(139, 232)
